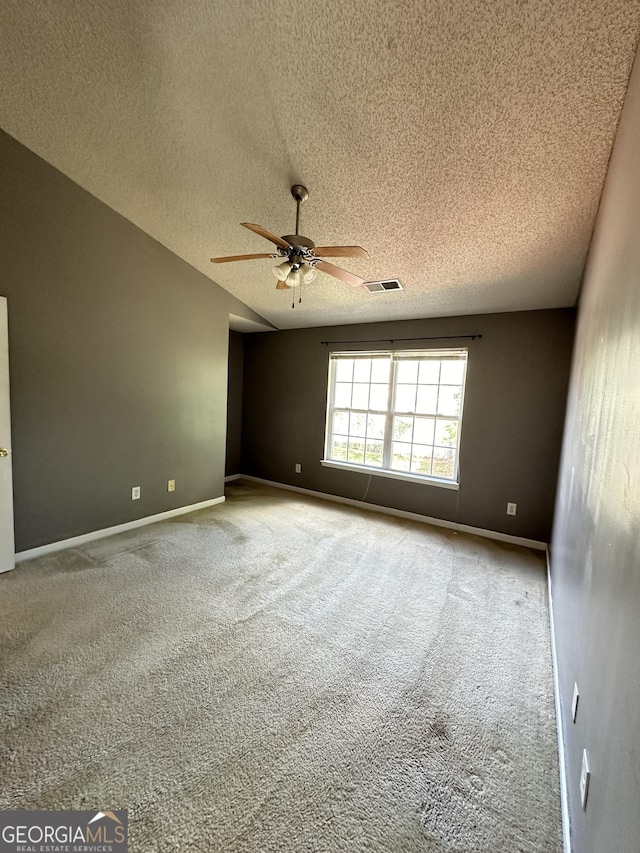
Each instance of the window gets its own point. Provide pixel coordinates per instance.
(396, 412)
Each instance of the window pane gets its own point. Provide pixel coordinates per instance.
(356, 451)
(344, 369)
(380, 369)
(341, 422)
(443, 462)
(452, 372)
(401, 458)
(362, 370)
(373, 454)
(423, 430)
(429, 371)
(405, 398)
(449, 400)
(360, 399)
(403, 428)
(407, 371)
(421, 459)
(427, 399)
(339, 447)
(378, 397)
(426, 406)
(358, 424)
(446, 433)
(375, 426)
(342, 397)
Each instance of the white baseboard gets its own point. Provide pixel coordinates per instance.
(52, 547)
(231, 477)
(400, 513)
(564, 790)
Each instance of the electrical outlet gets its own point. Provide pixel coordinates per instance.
(171, 485)
(511, 508)
(298, 468)
(585, 776)
(135, 493)
(574, 702)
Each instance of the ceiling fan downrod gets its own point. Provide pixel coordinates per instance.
(300, 194)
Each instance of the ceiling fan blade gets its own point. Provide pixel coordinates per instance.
(258, 229)
(340, 252)
(281, 285)
(240, 258)
(338, 272)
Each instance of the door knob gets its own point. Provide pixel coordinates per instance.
(3, 452)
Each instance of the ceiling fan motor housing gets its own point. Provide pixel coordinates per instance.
(298, 240)
(301, 250)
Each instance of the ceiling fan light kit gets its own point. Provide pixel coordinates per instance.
(294, 278)
(281, 271)
(299, 257)
(308, 273)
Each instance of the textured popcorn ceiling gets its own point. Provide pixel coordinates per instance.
(464, 144)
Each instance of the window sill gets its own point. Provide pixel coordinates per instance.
(392, 475)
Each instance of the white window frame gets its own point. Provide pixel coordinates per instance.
(395, 357)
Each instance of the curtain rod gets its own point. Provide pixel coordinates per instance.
(402, 340)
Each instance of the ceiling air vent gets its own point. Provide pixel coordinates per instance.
(383, 286)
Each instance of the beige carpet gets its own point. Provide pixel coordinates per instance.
(280, 673)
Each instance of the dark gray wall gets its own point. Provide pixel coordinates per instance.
(595, 557)
(511, 431)
(118, 358)
(234, 403)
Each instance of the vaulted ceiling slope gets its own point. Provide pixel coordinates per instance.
(464, 144)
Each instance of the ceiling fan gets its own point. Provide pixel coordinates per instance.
(300, 257)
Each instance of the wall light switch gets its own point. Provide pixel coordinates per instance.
(585, 776)
(574, 702)
(511, 508)
(135, 493)
(298, 468)
(171, 485)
